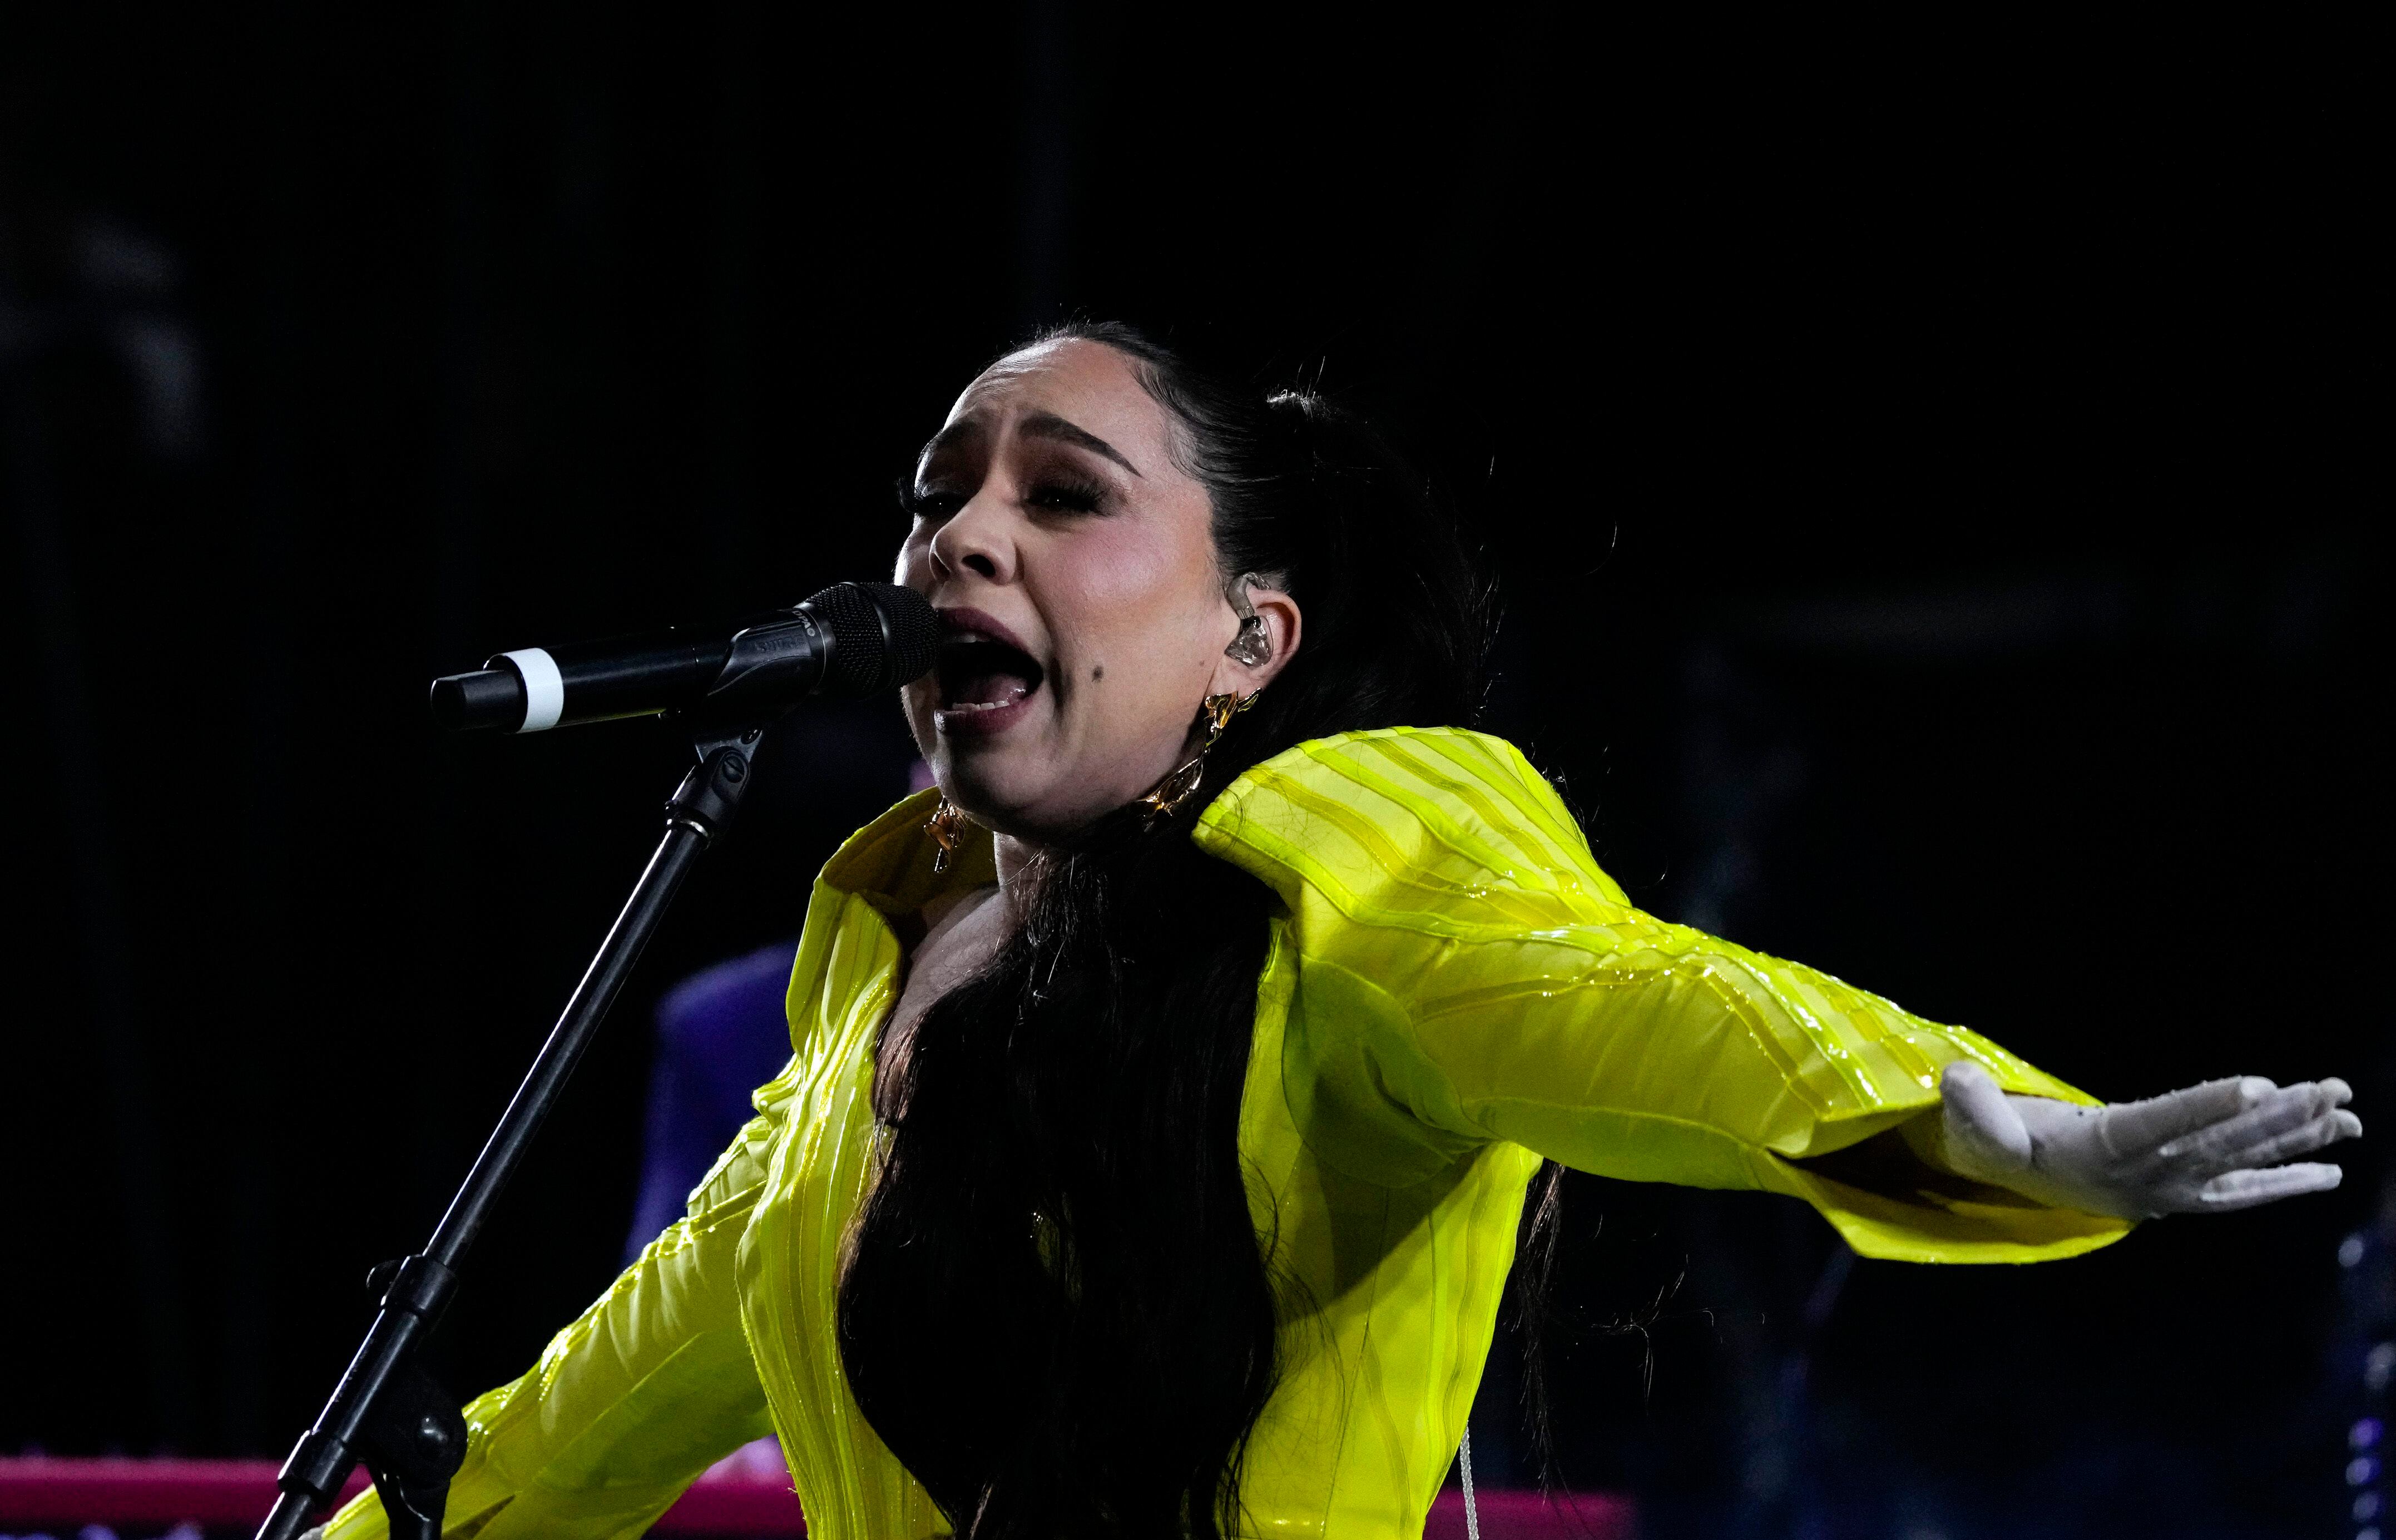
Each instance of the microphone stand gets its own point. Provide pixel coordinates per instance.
(388, 1411)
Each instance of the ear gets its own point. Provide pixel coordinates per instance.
(1278, 612)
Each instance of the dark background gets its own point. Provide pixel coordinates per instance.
(1926, 466)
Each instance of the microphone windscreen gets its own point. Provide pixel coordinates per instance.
(883, 636)
(486, 697)
(914, 633)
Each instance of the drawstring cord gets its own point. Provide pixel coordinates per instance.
(1471, 1514)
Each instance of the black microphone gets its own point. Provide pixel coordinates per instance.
(851, 640)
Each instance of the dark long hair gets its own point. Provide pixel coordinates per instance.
(1055, 1308)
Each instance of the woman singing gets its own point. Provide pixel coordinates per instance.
(1167, 1085)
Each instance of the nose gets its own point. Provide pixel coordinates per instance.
(976, 539)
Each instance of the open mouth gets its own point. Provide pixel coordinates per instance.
(980, 673)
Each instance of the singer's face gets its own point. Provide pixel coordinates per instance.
(1072, 564)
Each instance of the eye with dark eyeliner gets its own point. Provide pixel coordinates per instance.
(1051, 489)
(927, 502)
(1065, 492)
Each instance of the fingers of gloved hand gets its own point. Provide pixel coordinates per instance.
(2271, 1150)
(1985, 1136)
(2228, 1144)
(2131, 1129)
(2240, 1190)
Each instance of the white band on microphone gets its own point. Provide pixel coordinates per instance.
(544, 688)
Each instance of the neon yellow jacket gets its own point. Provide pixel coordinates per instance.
(1452, 991)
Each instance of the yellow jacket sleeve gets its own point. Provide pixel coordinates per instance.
(629, 1403)
(1468, 973)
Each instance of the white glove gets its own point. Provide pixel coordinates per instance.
(2207, 1149)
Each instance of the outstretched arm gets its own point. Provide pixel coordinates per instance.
(1469, 974)
(2206, 1150)
(650, 1386)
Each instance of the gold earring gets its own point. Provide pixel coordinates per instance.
(1174, 789)
(947, 828)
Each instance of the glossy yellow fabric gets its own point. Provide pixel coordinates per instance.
(1452, 991)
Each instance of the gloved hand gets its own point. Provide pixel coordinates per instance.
(2207, 1149)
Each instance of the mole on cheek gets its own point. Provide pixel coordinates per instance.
(1097, 672)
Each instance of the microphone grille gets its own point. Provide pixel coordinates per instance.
(883, 636)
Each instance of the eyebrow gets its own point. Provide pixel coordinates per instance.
(946, 438)
(1041, 425)
(1048, 425)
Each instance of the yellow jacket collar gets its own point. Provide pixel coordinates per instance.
(888, 862)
